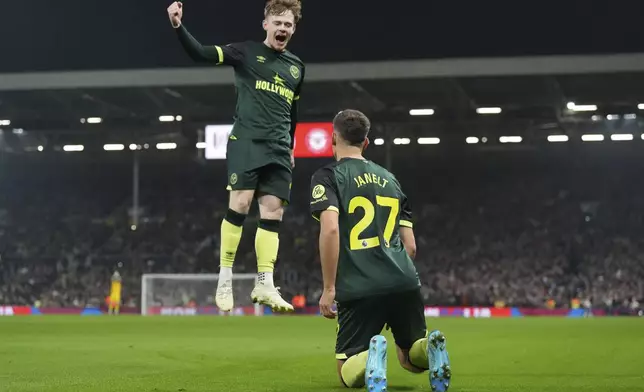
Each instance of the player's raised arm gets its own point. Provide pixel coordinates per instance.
(325, 208)
(407, 227)
(229, 54)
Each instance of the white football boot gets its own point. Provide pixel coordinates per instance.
(269, 295)
(224, 295)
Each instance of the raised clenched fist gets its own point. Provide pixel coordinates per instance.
(175, 13)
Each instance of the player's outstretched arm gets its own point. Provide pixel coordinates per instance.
(198, 52)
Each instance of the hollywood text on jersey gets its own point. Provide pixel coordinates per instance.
(276, 89)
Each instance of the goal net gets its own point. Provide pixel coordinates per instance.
(194, 294)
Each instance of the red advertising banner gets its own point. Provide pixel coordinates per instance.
(313, 140)
(15, 310)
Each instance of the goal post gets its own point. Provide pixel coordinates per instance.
(193, 294)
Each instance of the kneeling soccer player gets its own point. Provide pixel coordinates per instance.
(366, 249)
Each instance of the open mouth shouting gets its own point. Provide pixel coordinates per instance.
(281, 40)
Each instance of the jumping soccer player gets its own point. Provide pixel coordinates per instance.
(268, 79)
(366, 249)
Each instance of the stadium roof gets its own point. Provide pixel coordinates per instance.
(347, 71)
(534, 88)
(86, 34)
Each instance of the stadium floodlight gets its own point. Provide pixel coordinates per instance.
(558, 138)
(379, 141)
(166, 146)
(612, 117)
(201, 145)
(581, 108)
(510, 139)
(401, 140)
(94, 120)
(5, 123)
(592, 138)
(428, 140)
(157, 296)
(133, 146)
(113, 147)
(40, 148)
(166, 118)
(490, 110)
(630, 116)
(472, 140)
(621, 137)
(178, 118)
(421, 112)
(640, 106)
(73, 147)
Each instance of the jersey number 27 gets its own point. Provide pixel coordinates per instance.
(357, 243)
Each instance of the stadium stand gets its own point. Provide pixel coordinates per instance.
(506, 230)
(498, 223)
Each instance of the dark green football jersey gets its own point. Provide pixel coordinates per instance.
(267, 83)
(371, 207)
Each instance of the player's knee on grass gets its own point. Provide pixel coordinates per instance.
(270, 207)
(352, 370)
(240, 201)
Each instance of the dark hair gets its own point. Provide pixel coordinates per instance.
(352, 125)
(279, 7)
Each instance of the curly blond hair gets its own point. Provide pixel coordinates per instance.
(279, 7)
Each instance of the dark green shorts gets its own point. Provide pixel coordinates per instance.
(262, 166)
(359, 320)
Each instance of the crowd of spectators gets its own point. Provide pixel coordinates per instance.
(532, 238)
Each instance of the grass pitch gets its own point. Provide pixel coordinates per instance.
(289, 354)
